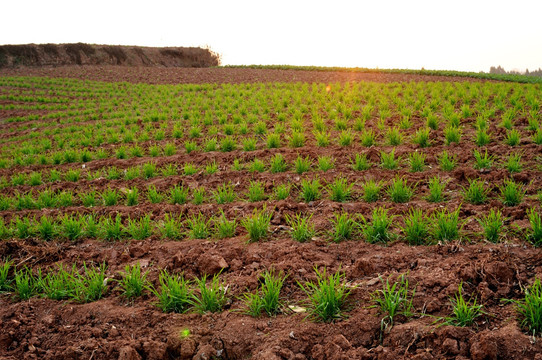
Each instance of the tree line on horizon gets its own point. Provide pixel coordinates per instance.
(500, 70)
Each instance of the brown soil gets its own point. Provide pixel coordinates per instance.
(153, 75)
(113, 328)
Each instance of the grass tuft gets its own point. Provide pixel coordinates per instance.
(302, 228)
(327, 296)
(257, 225)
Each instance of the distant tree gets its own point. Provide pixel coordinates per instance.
(497, 70)
(500, 70)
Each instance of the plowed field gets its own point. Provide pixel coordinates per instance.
(226, 175)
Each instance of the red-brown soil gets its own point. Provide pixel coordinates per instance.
(153, 75)
(113, 328)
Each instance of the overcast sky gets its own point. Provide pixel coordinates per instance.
(439, 34)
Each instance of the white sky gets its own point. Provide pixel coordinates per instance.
(439, 34)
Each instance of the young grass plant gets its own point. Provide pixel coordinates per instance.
(212, 294)
(534, 235)
(360, 162)
(476, 193)
(225, 228)
(64, 199)
(149, 170)
(5, 282)
(537, 136)
(432, 121)
(344, 226)
(340, 190)
(199, 227)
(198, 196)
(302, 165)
(297, 139)
(326, 163)
(416, 161)
(345, 138)
(417, 228)
(447, 162)
(256, 191)
(529, 308)
(170, 227)
(322, 138)
(378, 230)
(492, 225)
(482, 137)
(178, 195)
(368, 138)
(399, 191)
(189, 169)
(446, 225)
(256, 165)
(211, 168)
(310, 190)
(59, 285)
(327, 296)
(91, 285)
(281, 191)
(72, 227)
(267, 298)
(421, 138)
(513, 138)
(132, 197)
(257, 225)
(273, 141)
(140, 229)
(25, 284)
(175, 293)
(153, 195)
(278, 164)
(110, 197)
(513, 163)
(512, 193)
(436, 190)
(224, 194)
(394, 136)
(23, 228)
(88, 199)
(302, 228)
(482, 161)
(133, 281)
(464, 312)
(393, 300)
(452, 134)
(388, 160)
(112, 228)
(371, 190)
(46, 228)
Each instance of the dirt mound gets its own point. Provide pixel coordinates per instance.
(86, 54)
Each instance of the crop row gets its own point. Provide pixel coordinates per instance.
(368, 138)
(341, 133)
(418, 228)
(326, 299)
(126, 127)
(415, 161)
(236, 109)
(340, 189)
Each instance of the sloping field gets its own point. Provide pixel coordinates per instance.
(267, 214)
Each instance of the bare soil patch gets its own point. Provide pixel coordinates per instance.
(157, 75)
